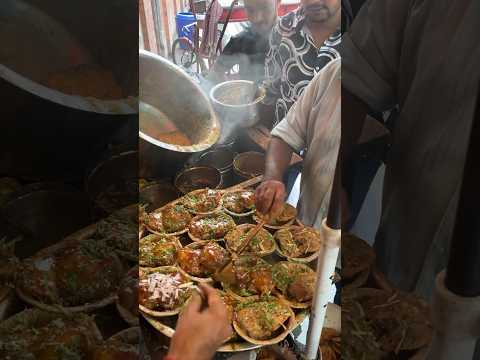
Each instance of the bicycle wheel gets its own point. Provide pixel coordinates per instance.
(182, 53)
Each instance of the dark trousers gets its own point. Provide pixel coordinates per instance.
(290, 177)
(361, 171)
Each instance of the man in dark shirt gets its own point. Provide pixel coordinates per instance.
(248, 49)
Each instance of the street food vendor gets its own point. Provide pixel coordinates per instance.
(313, 122)
(249, 49)
(301, 44)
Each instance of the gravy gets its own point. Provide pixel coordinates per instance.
(156, 124)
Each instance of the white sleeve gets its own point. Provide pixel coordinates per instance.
(371, 52)
(293, 128)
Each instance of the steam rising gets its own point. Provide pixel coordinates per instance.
(234, 105)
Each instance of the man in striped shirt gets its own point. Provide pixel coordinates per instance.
(301, 44)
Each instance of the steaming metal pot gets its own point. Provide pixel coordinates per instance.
(169, 89)
(236, 103)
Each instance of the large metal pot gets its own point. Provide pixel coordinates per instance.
(248, 165)
(167, 88)
(40, 38)
(46, 133)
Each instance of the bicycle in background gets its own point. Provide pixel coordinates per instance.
(197, 50)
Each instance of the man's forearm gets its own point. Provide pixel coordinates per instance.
(278, 158)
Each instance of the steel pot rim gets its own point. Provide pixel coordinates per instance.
(184, 172)
(233, 82)
(214, 134)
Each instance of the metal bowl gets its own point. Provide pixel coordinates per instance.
(249, 164)
(199, 177)
(236, 104)
(158, 194)
(220, 158)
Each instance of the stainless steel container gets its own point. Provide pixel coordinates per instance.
(48, 133)
(221, 158)
(169, 89)
(199, 177)
(40, 38)
(236, 104)
(157, 194)
(248, 165)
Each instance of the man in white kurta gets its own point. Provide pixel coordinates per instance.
(312, 124)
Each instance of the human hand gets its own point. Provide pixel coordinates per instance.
(270, 197)
(200, 332)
